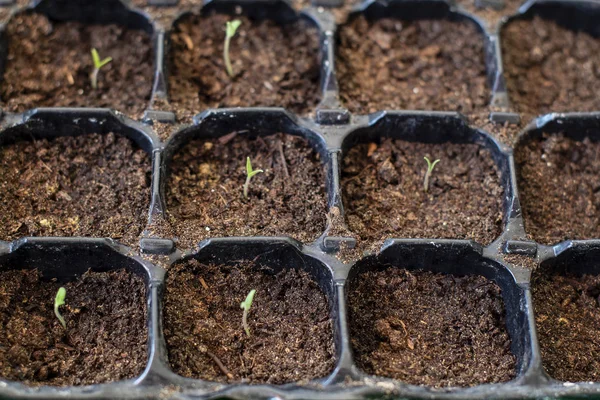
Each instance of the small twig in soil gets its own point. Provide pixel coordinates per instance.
(283, 162)
(249, 174)
(430, 167)
(221, 366)
(245, 305)
(59, 300)
(98, 63)
(230, 29)
(203, 283)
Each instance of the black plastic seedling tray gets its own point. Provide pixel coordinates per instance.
(331, 130)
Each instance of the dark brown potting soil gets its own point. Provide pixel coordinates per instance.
(559, 188)
(105, 339)
(421, 65)
(90, 185)
(549, 68)
(290, 340)
(567, 316)
(205, 189)
(49, 65)
(430, 329)
(384, 194)
(274, 66)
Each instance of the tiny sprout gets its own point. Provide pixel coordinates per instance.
(249, 174)
(98, 63)
(430, 167)
(59, 300)
(230, 29)
(245, 305)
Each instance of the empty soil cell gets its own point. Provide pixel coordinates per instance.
(106, 335)
(430, 329)
(290, 340)
(383, 187)
(420, 65)
(559, 188)
(567, 316)
(205, 189)
(274, 66)
(549, 68)
(49, 65)
(91, 185)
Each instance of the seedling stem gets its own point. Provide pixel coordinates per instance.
(430, 167)
(230, 29)
(98, 63)
(245, 305)
(249, 174)
(59, 300)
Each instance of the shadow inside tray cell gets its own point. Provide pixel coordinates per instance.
(410, 56)
(274, 58)
(551, 61)
(61, 179)
(566, 292)
(105, 313)
(207, 175)
(437, 315)
(47, 60)
(290, 326)
(384, 185)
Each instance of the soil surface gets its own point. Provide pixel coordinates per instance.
(275, 66)
(106, 336)
(291, 337)
(422, 65)
(490, 16)
(205, 195)
(549, 68)
(567, 317)
(521, 261)
(384, 194)
(559, 188)
(430, 329)
(50, 65)
(89, 185)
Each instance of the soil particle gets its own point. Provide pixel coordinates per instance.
(291, 331)
(430, 329)
(204, 194)
(274, 66)
(49, 65)
(490, 16)
(521, 261)
(418, 65)
(106, 336)
(549, 68)
(89, 185)
(385, 197)
(568, 325)
(558, 185)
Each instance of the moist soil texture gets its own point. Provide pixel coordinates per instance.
(205, 189)
(559, 188)
(430, 329)
(274, 66)
(105, 339)
(49, 65)
(568, 325)
(90, 185)
(383, 187)
(549, 68)
(290, 340)
(420, 65)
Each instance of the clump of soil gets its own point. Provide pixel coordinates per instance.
(291, 336)
(491, 16)
(106, 333)
(274, 66)
(89, 185)
(549, 68)
(430, 329)
(426, 65)
(49, 65)
(521, 261)
(384, 194)
(558, 183)
(567, 317)
(205, 199)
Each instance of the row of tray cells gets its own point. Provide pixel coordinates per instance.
(98, 185)
(406, 320)
(386, 63)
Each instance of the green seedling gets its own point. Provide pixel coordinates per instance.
(98, 63)
(59, 300)
(230, 28)
(430, 167)
(245, 305)
(249, 174)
